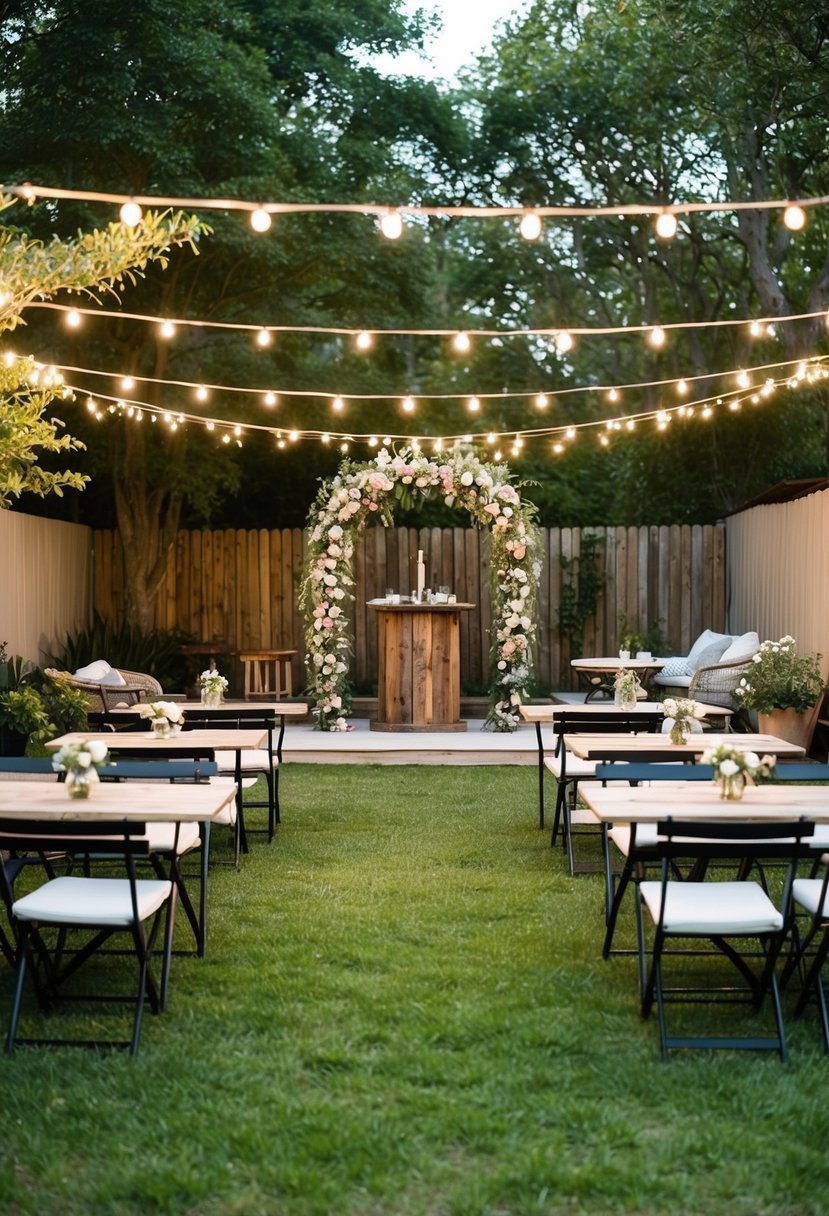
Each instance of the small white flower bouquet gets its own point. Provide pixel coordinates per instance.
(165, 717)
(212, 687)
(681, 717)
(733, 766)
(80, 762)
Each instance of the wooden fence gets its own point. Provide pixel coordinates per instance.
(238, 589)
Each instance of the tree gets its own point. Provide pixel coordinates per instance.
(96, 261)
(248, 99)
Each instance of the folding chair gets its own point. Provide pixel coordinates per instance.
(170, 842)
(99, 908)
(252, 762)
(728, 915)
(634, 842)
(810, 948)
(569, 770)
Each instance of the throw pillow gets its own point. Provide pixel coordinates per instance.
(94, 671)
(743, 647)
(706, 638)
(676, 667)
(711, 654)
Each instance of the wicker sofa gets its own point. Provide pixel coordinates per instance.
(126, 688)
(711, 670)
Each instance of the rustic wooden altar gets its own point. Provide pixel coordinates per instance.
(419, 676)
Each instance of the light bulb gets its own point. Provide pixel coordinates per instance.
(391, 225)
(666, 225)
(794, 217)
(73, 318)
(461, 342)
(742, 379)
(260, 220)
(564, 342)
(325, 437)
(613, 394)
(530, 226)
(755, 329)
(270, 399)
(338, 405)
(682, 387)
(541, 401)
(473, 405)
(201, 393)
(167, 329)
(131, 214)
(656, 336)
(558, 448)
(293, 436)
(127, 384)
(364, 340)
(408, 405)
(263, 338)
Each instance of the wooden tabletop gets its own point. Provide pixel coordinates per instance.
(701, 800)
(613, 663)
(385, 606)
(626, 747)
(150, 801)
(220, 740)
(229, 707)
(547, 713)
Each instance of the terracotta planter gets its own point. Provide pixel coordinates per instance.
(788, 724)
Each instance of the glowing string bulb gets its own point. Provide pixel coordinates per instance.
(794, 217)
(73, 318)
(564, 342)
(461, 342)
(263, 337)
(755, 329)
(541, 401)
(666, 225)
(391, 225)
(338, 405)
(656, 336)
(127, 384)
(364, 340)
(603, 440)
(473, 405)
(201, 393)
(408, 405)
(260, 220)
(530, 226)
(742, 379)
(682, 387)
(613, 394)
(293, 436)
(325, 437)
(570, 433)
(167, 329)
(558, 448)
(270, 399)
(131, 214)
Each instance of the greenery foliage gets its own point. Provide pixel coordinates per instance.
(404, 1010)
(780, 678)
(582, 583)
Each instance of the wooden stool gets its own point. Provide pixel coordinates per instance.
(267, 673)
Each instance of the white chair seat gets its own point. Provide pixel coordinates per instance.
(162, 837)
(91, 901)
(254, 760)
(575, 767)
(806, 892)
(646, 836)
(713, 908)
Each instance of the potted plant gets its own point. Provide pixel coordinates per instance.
(785, 688)
(22, 716)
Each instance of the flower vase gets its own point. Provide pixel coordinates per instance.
(161, 728)
(211, 697)
(731, 786)
(680, 732)
(79, 782)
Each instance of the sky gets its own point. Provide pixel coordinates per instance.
(467, 29)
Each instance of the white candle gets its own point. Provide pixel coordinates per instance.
(421, 576)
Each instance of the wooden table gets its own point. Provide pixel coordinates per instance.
(419, 678)
(150, 801)
(594, 672)
(229, 709)
(631, 747)
(701, 800)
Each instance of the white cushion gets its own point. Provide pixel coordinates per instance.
(705, 639)
(162, 835)
(667, 681)
(91, 901)
(713, 908)
(96, 671)
(807, 891)
(575, 767)
(254, 760)
(676, 667)
(646, 836)
(743, 647)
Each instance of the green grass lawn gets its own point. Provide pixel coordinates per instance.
(404, 1010)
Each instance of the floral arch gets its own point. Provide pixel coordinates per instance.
(339, 514)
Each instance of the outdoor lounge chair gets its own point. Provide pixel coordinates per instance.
(106, 693)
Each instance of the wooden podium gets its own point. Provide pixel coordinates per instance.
(419, 671)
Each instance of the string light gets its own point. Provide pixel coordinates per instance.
(270, 399)
(794, 217)
(682, 387)
(666, 225)
(408, 405)
(364, 340)
(167, 329)
(73, 318)
(540, 402)
(530, 226)
(391, 225)
(473, 405)
(338, 405)
(263, 337)
(201, 393)
(260, 220)
(131, 213)
(461, 342)
(127, 384)
(613, 395)
(564, 341)
(656, 337)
